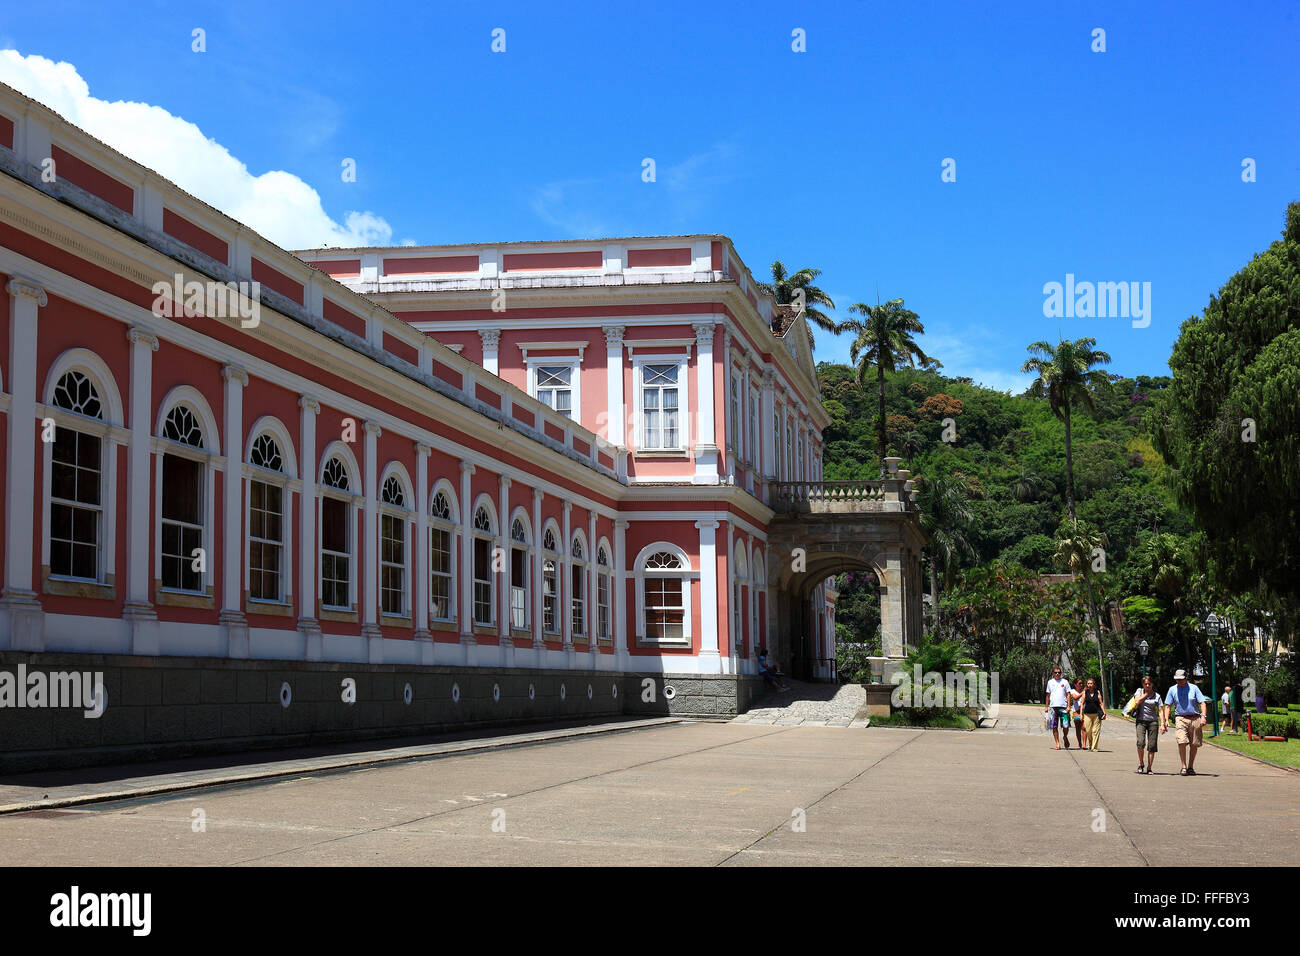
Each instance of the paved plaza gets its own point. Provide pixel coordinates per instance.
(671, 793)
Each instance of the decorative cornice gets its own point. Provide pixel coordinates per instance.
(20, 288)
(138, 336)
(233, 373)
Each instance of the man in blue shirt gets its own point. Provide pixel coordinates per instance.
(1187, 703)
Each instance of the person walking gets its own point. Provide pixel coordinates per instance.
(1056, 702)
(1094, 712)
(1188, 705)
(1225, 705)
(1236, 709)
(1149, 713)
(1076, 710)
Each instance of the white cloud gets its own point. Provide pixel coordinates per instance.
(277, 204)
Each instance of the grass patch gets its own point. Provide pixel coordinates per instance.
(958, 721)
(1286, 753)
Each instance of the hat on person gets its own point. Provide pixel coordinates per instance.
(1180, 674)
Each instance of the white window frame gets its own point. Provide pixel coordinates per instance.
(689, 576)
(288, 484)
(574, 363)
(405, 515)
(604, 580)
(209, 457)
(684, 410)
(556, 557)
(452, 528)
(353, 500)
(490, 537)
(578, 596)
(527, 547)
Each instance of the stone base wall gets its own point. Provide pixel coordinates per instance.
(165, 707)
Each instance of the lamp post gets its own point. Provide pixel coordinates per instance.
(1142, 649)
(1110, 667)
(1212, 632)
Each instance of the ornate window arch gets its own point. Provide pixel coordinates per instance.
(270, 470)
(663, 595)
(396, 514)
(82, 413)
(521, 553)
(188, 448)
(339, 499)
(604, 593)
(579, 557)
(483, 528)
(444, 527)
(552, 559)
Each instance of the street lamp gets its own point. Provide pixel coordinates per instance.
(1109, 667)
(1212, 632)
(1142, 649)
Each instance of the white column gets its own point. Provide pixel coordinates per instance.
(138, 612)
(539, 643)
(466, 561)
(370, 598)
(20, 609)
(615, 410)
(620, 602)
(706, 448)
(423, 639)
(752, 610)
(233, 622)
(566, 582)
(503, 543)
(308, 626)
(734, 611)
(767, 437)
(491, 338)
(593, 595)
(710, 660)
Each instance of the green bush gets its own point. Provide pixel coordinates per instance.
(1275, 725)
(1279, 686)
(851, 663)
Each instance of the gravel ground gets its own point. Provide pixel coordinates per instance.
(808, 703)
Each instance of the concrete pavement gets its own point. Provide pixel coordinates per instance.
(708, 794)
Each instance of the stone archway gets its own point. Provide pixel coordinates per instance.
(825, 528)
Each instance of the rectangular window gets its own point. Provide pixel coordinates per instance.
(483, 581)
(602, 606)
(75, 505)
(265, 541)
(664, 611)
(751, 452)
(579, 600)
(440, 565)
(335, 556)
(659, 407)
(550, 598)
(392, 564)
(733, 428)
(182, 523)
(518, 588)
(555, 387)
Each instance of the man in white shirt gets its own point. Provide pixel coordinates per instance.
(1057, 704)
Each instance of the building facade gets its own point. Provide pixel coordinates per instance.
(526, 455)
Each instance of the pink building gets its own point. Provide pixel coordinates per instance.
(552, 457)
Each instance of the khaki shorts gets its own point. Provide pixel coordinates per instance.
(1148, 734)
(1187, 730)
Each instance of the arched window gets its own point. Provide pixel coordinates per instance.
(759, 585)
(550, 582)
(604, 591)
(338, 496)
(578, 587)
(519, 548)
(442, 555)
(739, 596)
(266, 551)
(184, 481)
(663, 576)
(394, 513)
(484, 591)
(76, 484)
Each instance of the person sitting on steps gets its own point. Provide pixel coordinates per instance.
(770, 672)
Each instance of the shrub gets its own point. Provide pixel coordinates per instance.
(851, 663)
(1275, 725)
(1279, 686)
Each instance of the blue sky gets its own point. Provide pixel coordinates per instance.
(1115, 166)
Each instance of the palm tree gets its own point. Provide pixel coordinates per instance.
(1028, 486)
(883, 339)
(798, 290)
(945, 516)
(1075, 552)
(1066, 378)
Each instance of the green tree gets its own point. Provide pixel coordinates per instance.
(1066, 378)
(798, 290)
(883, 340)
(946, 516)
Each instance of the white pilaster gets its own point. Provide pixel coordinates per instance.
(504, 581)
(706, 447)
(308, 553)
(767, 437)
(138, 612)
(20, 609)
(566, 585)
(615, 410)
(491, 339)
(710, 660)
(370, 598)
(423, 639)
(466, 562)
(620, 603)
(233, 622)
(593, 593)
(539, 643)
